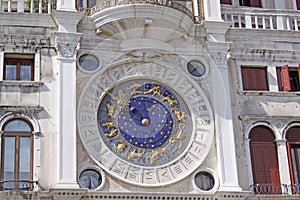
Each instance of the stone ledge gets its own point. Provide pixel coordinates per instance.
(21, 83)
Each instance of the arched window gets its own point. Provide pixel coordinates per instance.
(264, 161)
(17, 155)
(293, 149)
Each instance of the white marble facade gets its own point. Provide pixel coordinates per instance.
(194, 49)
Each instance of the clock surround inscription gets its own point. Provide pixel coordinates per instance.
(152, 172)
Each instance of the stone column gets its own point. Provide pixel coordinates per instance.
(283, 162)
(221, 101)
(67, 44)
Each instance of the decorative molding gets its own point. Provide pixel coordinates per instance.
(278, 121)
(28, 110)
(67, 194)
(21, 83)
(218, 52)
(67, 44)
(67, 49)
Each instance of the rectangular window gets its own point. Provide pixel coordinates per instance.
(288, 78)
(255, 78)
(250, 3)
(298, 4)
(18, 67)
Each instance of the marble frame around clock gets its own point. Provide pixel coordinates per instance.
(170, 172)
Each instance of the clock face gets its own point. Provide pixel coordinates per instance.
(145, 124)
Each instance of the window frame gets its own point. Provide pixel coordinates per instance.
(17, 135)
(284, 80)
(18, 58)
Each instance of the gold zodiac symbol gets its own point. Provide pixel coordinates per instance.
(134, 86)
(178, 138)
(154, 90)
(112, 133)
(170, 101)
(109, 125)
(110, 110)
(179, 115)
(135, 92)
(133, 154)
(156, 154)
(120, 145)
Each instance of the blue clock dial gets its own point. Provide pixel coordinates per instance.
(144, 122)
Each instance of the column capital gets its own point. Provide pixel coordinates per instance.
(216, 30)
(219, 52)
(67, 44)
(280, 142)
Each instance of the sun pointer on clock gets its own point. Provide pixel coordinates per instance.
(121, 101)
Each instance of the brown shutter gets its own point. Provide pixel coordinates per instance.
(298, 4)
(293, 134)
(285, 78)
(255, 3)
(261, 79)
(254, 78)
(264, 157)
(258, 169)
(299, 73)
(226, 2)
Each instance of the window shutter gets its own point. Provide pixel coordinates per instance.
(264, 158)
(261, 79)
(226, 2)
(255, 3)
(285, 78)
(257, 161)
(299, 75)
(254, 78)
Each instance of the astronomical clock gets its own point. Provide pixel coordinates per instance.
(144, 123)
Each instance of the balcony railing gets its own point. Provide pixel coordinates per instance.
(111, 3)
(273, 189)
(253, 18)
(27, 6)
(18, 185)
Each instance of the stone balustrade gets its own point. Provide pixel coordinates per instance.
(258, 18)
(27, 6)
(111, 3)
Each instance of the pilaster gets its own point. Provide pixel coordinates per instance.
(221, 100)
(67, 44)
